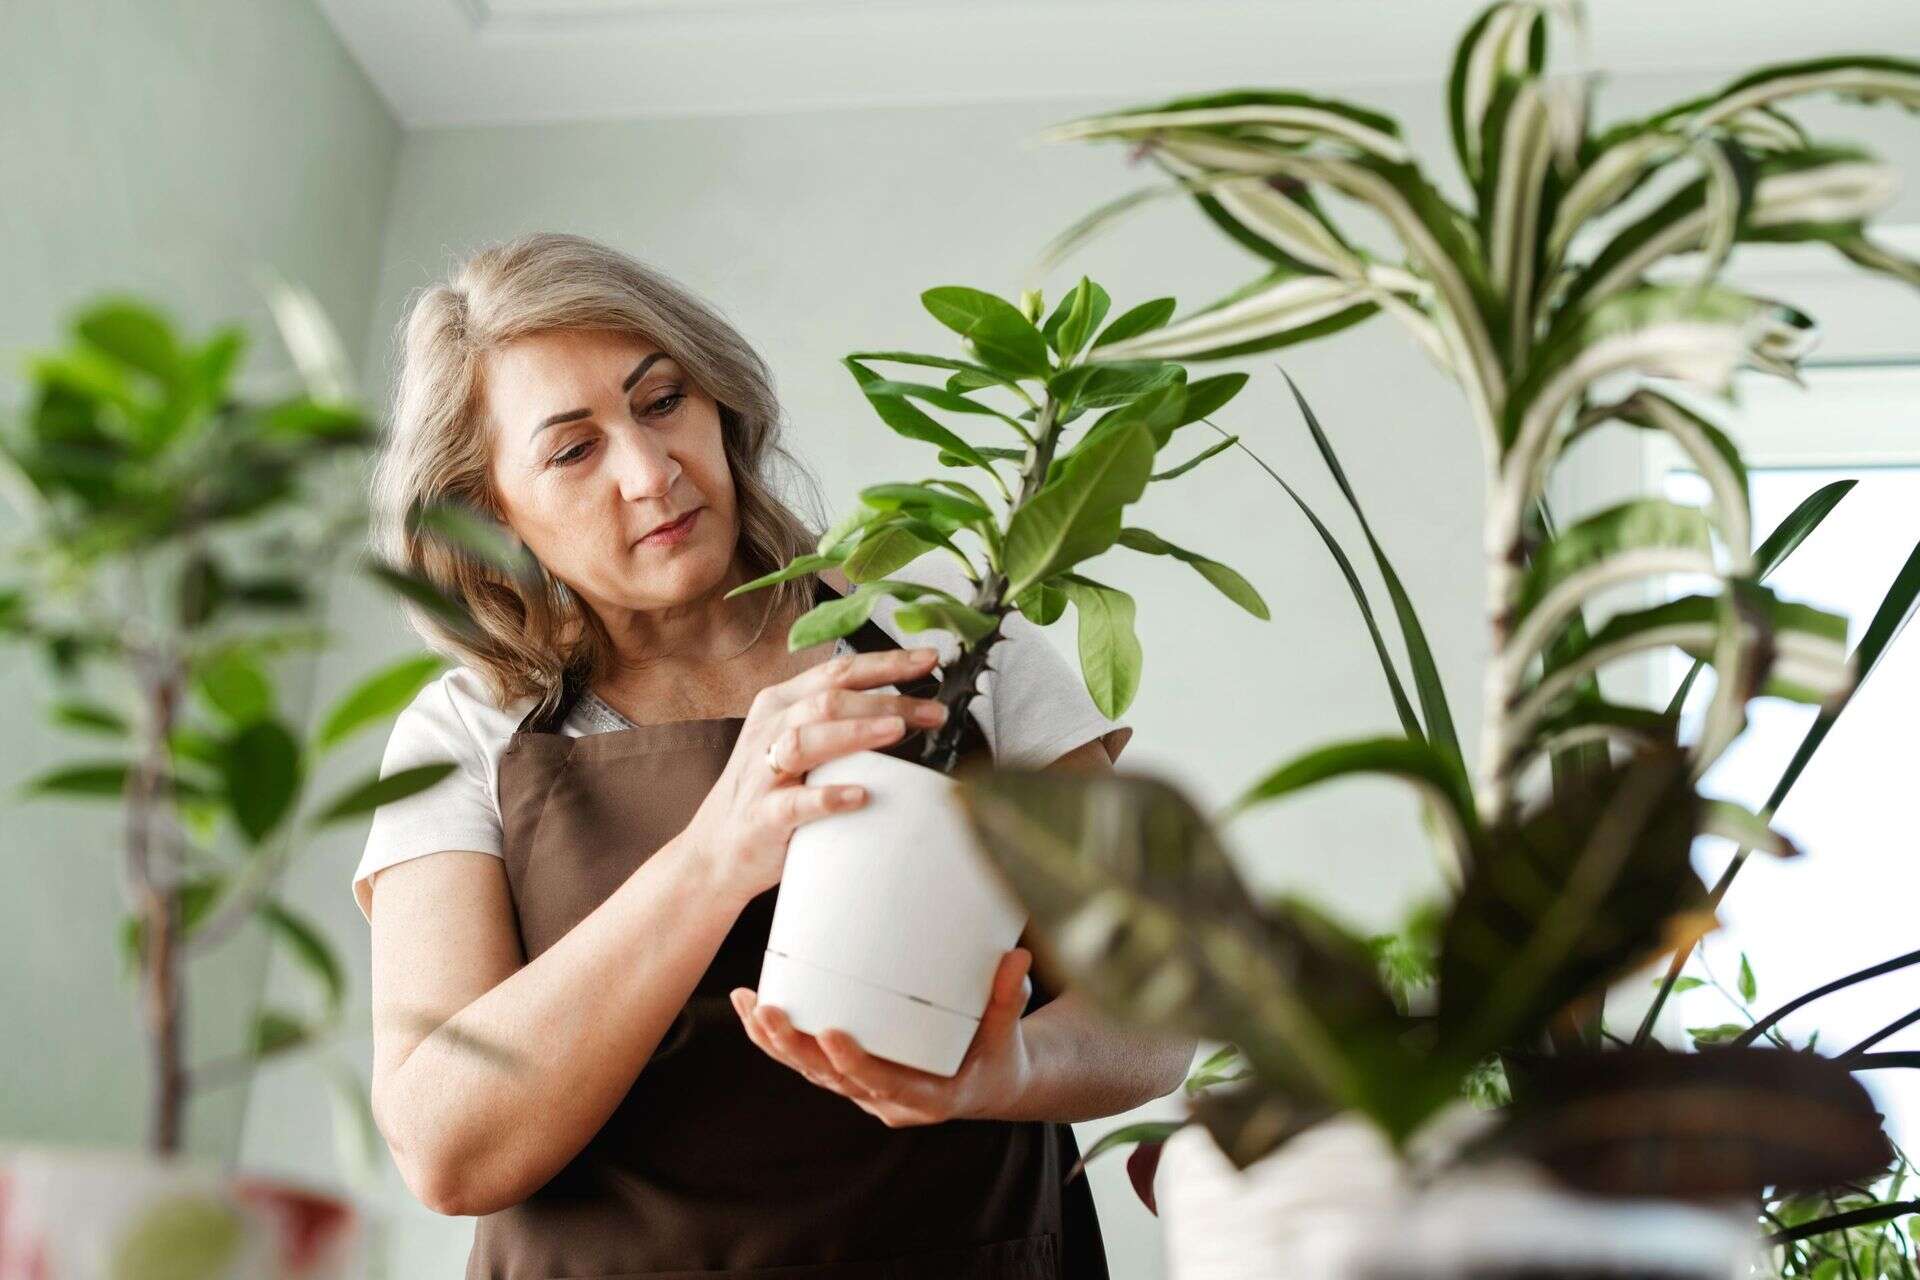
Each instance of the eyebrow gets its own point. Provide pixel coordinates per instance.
(574, 415)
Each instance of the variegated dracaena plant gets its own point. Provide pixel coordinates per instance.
(1580, 288)
(1070, 490)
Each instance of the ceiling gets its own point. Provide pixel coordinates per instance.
(492, 62)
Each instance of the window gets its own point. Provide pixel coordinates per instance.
(1853, 899)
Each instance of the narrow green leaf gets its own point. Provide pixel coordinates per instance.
(920, 497)
(382, 694)
(91, 716)
(798, 567)
(1749, 986)
(1174, 473)
(364, 797)
(971, 625)
(1230, 583)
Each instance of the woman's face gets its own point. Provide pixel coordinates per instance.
(600, 439)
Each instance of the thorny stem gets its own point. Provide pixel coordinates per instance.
(960, 682)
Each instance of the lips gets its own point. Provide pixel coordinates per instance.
(672, 529)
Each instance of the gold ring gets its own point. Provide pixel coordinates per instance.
(773, 764)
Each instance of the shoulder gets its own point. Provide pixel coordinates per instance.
(456, 710)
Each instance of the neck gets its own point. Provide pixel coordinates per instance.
(706, 629)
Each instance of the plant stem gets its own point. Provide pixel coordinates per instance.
(960, 682)
(1874, 971)
(155, 872)
(1841, 1221)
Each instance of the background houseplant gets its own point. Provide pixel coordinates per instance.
(176, 535)
(945, 920)
(1551, 299)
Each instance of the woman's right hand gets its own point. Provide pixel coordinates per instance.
(825, 712)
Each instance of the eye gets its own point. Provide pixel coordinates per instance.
(664, 405)
(568, 457)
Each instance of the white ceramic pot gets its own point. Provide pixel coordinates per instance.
(890, 921)
(1335, 1204)
(80, 1214)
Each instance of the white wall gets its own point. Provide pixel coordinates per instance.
(815, 233)
(162, 147)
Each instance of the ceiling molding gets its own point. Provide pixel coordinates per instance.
(502, 62)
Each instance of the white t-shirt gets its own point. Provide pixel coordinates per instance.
(1032, 705)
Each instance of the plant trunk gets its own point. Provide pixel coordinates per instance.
(961, 682)
(155, 877)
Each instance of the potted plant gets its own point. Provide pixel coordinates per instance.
(901, 951)
(173, 536)
(1555, 303)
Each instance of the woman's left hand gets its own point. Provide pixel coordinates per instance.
(994, 1073)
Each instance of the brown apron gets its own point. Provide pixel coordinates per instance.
(721, 1161)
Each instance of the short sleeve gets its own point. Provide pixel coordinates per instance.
(458, 812)
(1040, 705)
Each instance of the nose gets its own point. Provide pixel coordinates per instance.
(642, 466)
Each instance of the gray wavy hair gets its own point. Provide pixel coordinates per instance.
(530, 635)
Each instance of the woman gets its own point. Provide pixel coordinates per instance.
(567, 929)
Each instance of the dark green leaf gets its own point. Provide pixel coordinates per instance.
(234, 685)
(364, 797)
(309, 948)
(276, 1031)
(262, 770)
(1144, 318)
(1173, 473)
(90, 716)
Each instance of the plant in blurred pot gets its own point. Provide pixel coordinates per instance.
(1582, 288)
(175, 538)
(1053, 498)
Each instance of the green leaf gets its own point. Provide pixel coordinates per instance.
(197, 897)
(1426, 671)
(1137, 320)
(1174, 473)
(1683, 984)
(262, 770)
(798, 567)
(886, 550)
(1278, 310)
(977, 375)
(384, 693)
(1497, 49)
(920, 497)
(1407, 760)
(970, 624)
(1562, 899)
(1128, 1135)
(1749, 986)
(1210, 395)
(832, 619)
(310, 948)
(1142, 908)
(1099, 384)
(466, 529)
(1001, 337)
(1078, 514)
(1075, 319)
(364, 797)
(135, 335)
(105, 780)
(436, 603)
(90, 716)
(1230, 583)
(234, 685)
(276, 1031)
(1720, 1034)
(1042, 604)
(1110, 656)
(897, 412)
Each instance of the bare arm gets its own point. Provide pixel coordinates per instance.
(490, 1073)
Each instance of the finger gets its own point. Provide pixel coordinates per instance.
(878, 1079)
(1009, 997)
(790, 807)
(836, 703)
(798, 1047)
(806, 747)
(865, 670)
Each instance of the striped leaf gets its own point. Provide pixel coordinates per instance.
(1811, 663)
(1284, 308)
(1715, 457)
(1859, 78)
(1286, 119)
(1516, 163)
(1505, 44)
(1642, 538)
